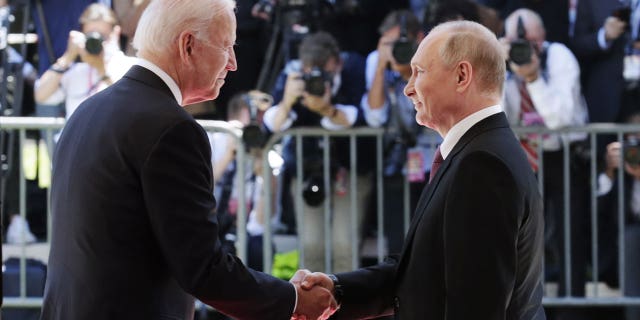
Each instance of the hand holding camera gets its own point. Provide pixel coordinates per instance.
(522, 56)
(617, 23)
(88, 47)
(385, 45)
(630, 152)
(293, 89)
(528, 72)
(321, 105)
(614, 28)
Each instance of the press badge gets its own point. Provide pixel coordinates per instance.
(415, 164)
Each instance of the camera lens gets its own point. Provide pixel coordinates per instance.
(313, 191)
(314, 82)
(520, 52)
(631, 151)
(403, 50)
(93, 44)
(252, 136)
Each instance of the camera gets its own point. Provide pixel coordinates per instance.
(403, 48)
(93, 43)
(520, 51)
(313, 188)
(253, 136)
(315, 80)
(623, 14)
(631, 151)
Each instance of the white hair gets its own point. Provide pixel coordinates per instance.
(163, 20)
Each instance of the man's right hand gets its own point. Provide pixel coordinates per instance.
(75, 45)
(293, 89)
(613, 28)
(385, 45)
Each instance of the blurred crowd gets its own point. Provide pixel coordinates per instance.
(344, 64)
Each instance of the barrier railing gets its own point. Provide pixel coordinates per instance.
(594, 298)
(47, 126)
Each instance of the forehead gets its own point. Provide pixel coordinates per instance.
(427, 50)
(99, 26)
(223, 28)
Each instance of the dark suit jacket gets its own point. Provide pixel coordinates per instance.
(134, 225)
(601, 70)
(475, 245)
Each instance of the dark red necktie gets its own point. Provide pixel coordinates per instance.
(437, 161)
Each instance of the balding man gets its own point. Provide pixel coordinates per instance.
(545, 92)
(474, 249)
(135, 235)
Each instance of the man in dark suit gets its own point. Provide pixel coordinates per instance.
(598, 42)
(134, 225)
(474, 249)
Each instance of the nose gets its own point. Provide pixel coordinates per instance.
(232, 64)
(409, 89)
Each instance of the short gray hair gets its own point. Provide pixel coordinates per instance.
(471, 41)
(163, 20)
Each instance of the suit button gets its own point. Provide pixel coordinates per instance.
(396, 304)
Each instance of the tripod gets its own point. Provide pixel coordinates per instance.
(293, 20)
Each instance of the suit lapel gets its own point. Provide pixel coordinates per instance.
(144, 75)
(495, 121)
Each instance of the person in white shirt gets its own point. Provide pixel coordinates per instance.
(542, 89)
(101, 61)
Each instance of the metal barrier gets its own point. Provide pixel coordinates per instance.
(592, 131)
(48, 126)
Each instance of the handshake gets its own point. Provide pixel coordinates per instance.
(315, 296)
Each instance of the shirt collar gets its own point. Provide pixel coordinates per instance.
(173, 86)
(460, 128)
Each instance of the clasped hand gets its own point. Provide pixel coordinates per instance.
(315, 296)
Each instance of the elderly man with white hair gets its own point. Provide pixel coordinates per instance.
(134, 224)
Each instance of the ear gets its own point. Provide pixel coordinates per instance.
(185, 45)
(464, 75)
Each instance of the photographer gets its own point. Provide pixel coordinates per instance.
(385, 105)
(223, 158)
(542, 89)
(321, 89)
(101, 61)
(608, 207)
(599, 42)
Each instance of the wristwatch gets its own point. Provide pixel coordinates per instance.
(58, 69)
(338, 292)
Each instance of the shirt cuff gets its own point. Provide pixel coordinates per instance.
(602, 41)
(295, 305)
(350, 112)
(604, 184)
(269, 118)
(374, 117)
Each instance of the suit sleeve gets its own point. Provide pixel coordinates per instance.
(367, 292)
(177, 184)
(480, 238)
(585, 40)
